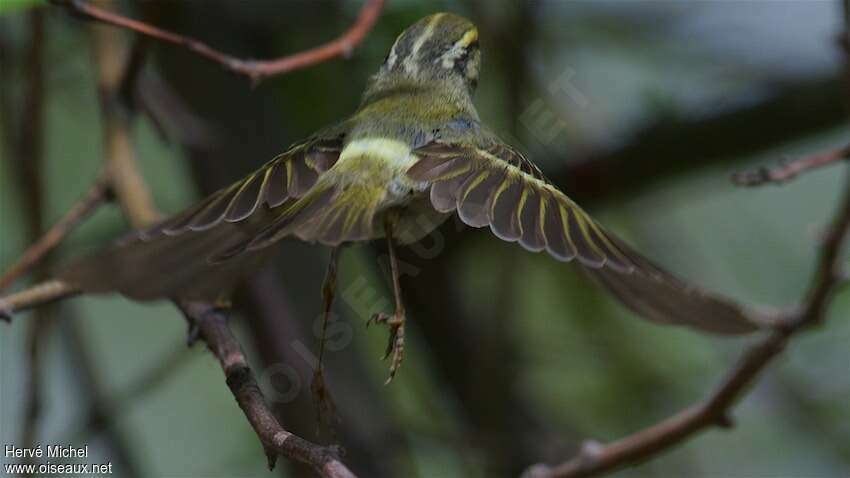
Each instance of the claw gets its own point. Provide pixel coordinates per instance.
(390, 344)
(377, 318)
(395, 343)
(397, 348)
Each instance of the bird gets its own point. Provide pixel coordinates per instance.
(414, 153)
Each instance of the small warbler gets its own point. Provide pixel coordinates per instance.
(413, 153)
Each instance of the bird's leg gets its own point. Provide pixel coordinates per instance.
(395, 346)
(325, 407)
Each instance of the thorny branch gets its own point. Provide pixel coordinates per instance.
(256, 70)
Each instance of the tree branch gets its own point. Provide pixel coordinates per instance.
(202, 316)
(596, 458)
(256, 70)
(212, 327)
(47, 242)
(36, 296)
(114, 66)
(131, 191)
(794, 111)
(790, 169)
(27, 162)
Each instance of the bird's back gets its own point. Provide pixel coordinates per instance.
(350, 201)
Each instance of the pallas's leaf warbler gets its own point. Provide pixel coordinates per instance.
(413, 153)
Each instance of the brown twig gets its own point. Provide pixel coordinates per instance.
(202, 316)
(36, 296)
(790, 169)
(93, 198)
(596, 458)
(30, 168)
(256, 70)
(113, 64)
(132, 193)
(797, 110)
(213, 329)
(211, 324)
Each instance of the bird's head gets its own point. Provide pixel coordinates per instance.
(440, 48)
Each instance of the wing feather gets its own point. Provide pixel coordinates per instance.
(589, 252)
(503, 222)
(492, 184)
(288, 176)
(211, 215)
(445, 192)
(248, 197)
(528, 215)
(476, 193)
(558, 243)
(276, 185)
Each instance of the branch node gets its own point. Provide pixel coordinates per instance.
(254, 70)
(724, 420)
(754, 177)
(193, 334)
(194, 331)
(197, 313)
(590, 452)
(271, 457)
(789, 168)
(239, 377)
(337, 451)
(537, 471)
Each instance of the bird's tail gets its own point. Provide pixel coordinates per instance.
(206, 264)
(163, 267)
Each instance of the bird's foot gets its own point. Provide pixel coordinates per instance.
(395, 344)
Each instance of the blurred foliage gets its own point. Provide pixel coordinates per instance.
(9, 6)
(584, 366)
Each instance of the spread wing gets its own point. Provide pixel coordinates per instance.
(288, 176)
(173, 258)
(491, 184)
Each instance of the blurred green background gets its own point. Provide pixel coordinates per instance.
(640, 110)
